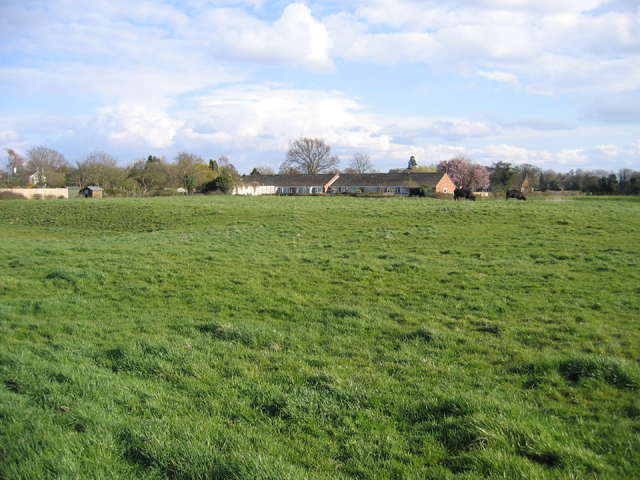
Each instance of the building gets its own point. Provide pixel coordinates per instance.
(284, 184)
(93, 192)
(73, 191)
(396, 183)
(384, 183)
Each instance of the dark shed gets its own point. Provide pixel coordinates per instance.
(93, 192)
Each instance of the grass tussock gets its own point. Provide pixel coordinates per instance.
(612, 370)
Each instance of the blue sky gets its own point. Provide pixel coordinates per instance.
(547, 82)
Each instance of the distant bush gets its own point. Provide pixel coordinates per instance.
(163, 193)
(6, 195)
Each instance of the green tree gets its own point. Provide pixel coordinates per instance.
(188, 173)
(222, 183)
(542, 183)
(226, 165)
(500, 176)
(412, 163)
(628, 181)
(633, 186)
(149, 174)
(528, 172)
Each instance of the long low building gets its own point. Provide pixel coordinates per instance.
(284, 184)
(389, 183)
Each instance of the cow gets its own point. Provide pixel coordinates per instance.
(416, 192)
(517, 194)
(459, 193)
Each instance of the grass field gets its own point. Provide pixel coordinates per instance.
(320, 338)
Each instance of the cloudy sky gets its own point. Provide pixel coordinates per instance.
(554, 83)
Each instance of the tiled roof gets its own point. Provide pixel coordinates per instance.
(386, 179)
(345, 179)
(291, 180)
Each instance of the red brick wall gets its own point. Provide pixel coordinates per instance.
(447, 183)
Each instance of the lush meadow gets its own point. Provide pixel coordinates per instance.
(319, 337)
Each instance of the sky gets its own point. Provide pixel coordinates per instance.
(552, 83)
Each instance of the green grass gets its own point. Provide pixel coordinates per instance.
(319, 337)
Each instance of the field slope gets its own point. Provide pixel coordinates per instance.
(320, 338)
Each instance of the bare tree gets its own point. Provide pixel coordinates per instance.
(81, 174)
(104, 169)
(286, 168)
(310, 155)
(360, 163)
(262, 170)
(47, 166)
(424, 169)
(16, 172)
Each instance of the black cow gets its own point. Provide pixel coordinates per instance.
(416, 192)
(515, 194)
(459, 193)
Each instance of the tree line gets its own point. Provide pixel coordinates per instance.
(313, 155)
(505, 176)
(43, 166)
(46, 167)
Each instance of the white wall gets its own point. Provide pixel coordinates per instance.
(254, 190)
(39, 192)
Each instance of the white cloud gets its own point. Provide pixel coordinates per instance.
(499, 76)
(149, 85)
(7, 136)
(568, 156)
(546, 46)
(268, 118)
(148, 51)
(135, 124)
(457, 129)
(296, 38)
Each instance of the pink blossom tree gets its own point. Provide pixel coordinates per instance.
(464, 173)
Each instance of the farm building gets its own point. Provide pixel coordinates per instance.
(284, 184)
(93, 192)
(398, 183)
(390, 183)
